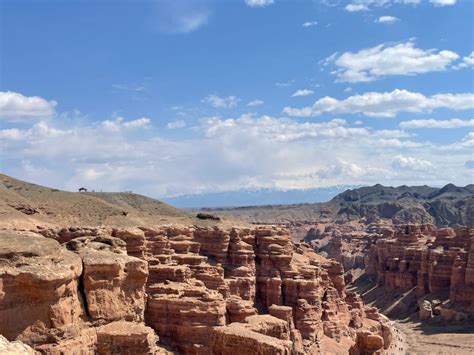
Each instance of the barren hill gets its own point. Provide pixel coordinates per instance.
(25, 205)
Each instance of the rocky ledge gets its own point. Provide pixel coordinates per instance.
(172, 289)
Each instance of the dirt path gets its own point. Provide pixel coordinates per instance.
(436, 339)
(399, 344)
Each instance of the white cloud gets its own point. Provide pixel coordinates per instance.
(138, 123)
(443, 2)
(233, 153)
(285, 84)
(356, 7)
(221, 102)
(310, 24)
(180, 16)
(432, 123)
(17, 107)
(383, 60)
(258, 3)
(255, 103)
(119, 123)
(366, 5)
(130, 87)
(404, 162)
(385, 104)
(466, 143)
(281, 130)
(303, 92)
(467, 61)
(387, 19)
(176, 124)
(12, 134)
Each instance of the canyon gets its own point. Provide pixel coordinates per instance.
(92, 273)
(431, 267)
(198, 290)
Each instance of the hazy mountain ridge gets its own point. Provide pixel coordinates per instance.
(256, 197)
(446, 206)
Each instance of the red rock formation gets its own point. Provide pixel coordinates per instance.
(56, 300)
(113, 282)
(201, 290)
(38, 286)
(433, 262)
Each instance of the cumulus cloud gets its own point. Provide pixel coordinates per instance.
(255, 103)
(17, 107)
(245, 151)
(176, 124)
(467, 61)
(258, 3)
(221, 102)
(404, 162)
(281, 130)
(387, 19)
(386, 60)
(432, 123)
(310, 24)
(385, 104)
(303, 92)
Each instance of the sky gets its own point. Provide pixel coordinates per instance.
(170, 97)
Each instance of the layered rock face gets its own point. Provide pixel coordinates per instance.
(201, 290)
(202, 279)
(437, 264)
(62, 302)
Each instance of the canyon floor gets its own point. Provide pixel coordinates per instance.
(413, 336)
(422, 338)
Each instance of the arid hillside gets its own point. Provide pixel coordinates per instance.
(26, 205)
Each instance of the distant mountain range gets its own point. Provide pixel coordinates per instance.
(257, 197)
(447, 206)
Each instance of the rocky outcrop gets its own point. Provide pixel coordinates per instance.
(200, 289)
(14, 347)
(63, 301)
(206, 285)
(437, 264)
(260, 334)
(38, 286)
(113, 282)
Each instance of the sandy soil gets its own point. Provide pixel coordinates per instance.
(426, 338)
(399, 344)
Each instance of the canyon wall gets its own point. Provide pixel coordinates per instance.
(190, 290)
(437, 264)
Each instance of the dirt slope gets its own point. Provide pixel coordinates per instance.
(26, 205)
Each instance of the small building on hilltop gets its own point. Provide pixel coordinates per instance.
(82, 189)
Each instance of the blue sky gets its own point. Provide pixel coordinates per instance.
(171, 97)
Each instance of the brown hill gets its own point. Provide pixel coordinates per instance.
(26, 205)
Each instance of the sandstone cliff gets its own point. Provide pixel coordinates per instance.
(198, 290)
(437, 264)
